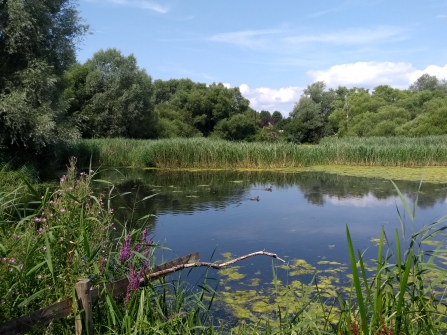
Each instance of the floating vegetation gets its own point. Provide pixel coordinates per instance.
(328, 262)
(231, 273)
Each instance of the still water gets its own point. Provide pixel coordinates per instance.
(302, 219)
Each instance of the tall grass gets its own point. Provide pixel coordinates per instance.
(219, 154)
(50, 240)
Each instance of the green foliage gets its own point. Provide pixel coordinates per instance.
(174, 123)
(307, 123)
(49, 245)
(37, 43)
(201, 106)
(382, 123)
(263, 114)
(433, 121)
(235, 128)
(427, 83)
(220, 154)
(277, 116)
(110, 97)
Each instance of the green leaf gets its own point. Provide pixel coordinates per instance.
(35, 268)
(31, 298)
(358, 288)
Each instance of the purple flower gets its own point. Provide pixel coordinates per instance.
(125, 249)
(62, 210)
(12, 260)
(39, 276)
(144, 235)
(134, 282)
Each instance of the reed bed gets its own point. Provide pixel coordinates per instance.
(219, 154)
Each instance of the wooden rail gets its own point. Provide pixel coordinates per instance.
(86, 298)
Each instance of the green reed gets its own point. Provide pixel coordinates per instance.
(219, 154)
(50, 239)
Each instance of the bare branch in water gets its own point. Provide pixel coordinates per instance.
(194, 261)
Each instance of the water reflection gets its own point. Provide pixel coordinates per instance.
(304, 217)
(304, 212)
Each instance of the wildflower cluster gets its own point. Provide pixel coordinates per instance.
(43, 253)
(137, 262)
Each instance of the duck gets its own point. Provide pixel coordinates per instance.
(255, 198)
(269, 189)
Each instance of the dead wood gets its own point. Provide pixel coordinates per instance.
(164, 272)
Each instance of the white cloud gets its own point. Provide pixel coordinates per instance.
(433, 70)
(350, 36)
(264, 98)
(368, 200)
(227, 85)
(371, 74)
(142, 4)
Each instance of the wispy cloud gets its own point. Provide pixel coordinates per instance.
(149, 5)
(350, 36)
(247, 38)
(283, 40)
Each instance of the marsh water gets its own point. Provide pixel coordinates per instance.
(302, 219)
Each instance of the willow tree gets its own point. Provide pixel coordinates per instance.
(37, 44)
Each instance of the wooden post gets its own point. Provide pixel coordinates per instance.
(85, 304)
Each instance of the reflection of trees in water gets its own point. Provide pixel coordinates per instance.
(186, 191)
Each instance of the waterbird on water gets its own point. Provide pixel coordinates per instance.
(269, 188)
(255, 198)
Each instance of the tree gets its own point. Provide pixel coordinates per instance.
(433, 121)
(111, 96)
(174, 123)
(427, 83)
(265, 114)
(277, 116)
(313, 125)
(235, 128)
(382, 123)
(206, 105)
(37, 44)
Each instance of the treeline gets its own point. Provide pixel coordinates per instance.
(385, 111)
(47, 99)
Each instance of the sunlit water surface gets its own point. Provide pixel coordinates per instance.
(303, 219)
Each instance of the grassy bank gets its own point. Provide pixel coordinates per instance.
(219, 154)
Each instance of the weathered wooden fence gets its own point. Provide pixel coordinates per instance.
(86, 298)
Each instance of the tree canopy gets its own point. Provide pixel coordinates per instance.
(110, 96)
(37, 44)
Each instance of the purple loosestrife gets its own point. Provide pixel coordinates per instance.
(125, 249)
(134, 282)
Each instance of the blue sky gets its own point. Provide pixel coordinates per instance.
(271, 50)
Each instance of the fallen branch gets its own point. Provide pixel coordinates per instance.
(164, 272)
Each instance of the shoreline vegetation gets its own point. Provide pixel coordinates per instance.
(49, 241)
(201, 153)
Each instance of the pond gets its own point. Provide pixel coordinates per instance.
(302, 219)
